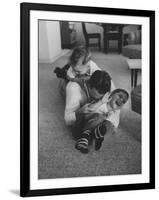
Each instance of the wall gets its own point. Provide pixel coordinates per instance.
(49, 41)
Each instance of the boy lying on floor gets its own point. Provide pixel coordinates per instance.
(96, 124)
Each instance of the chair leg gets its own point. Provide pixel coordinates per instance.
(87, 43)
(99, 44)
(119, 46)
(105, 45)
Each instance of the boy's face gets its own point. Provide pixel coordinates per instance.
(118, 100)
(81, 68)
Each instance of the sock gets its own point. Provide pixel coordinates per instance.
(83, 142)
(99, 133)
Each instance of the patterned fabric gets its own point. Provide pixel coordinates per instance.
(97, 134)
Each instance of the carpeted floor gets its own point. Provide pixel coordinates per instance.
(57, 157)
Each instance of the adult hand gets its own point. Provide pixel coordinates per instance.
(84, 110)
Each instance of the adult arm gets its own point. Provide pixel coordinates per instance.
(73, 109)
(73, 100)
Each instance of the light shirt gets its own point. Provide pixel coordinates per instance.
(76, 97)
(112, 116)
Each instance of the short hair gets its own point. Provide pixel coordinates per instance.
(78, 52)
(101, 81)
(120, 90)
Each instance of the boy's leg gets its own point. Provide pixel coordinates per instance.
(86, 135)
(99, 132)
(93, 120)
(78, 128)
(83, 142)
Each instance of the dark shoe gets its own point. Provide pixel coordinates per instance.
(82, 148)
(98, 143)
(60, 73)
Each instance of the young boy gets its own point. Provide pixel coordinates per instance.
(97, 123)
(80, 67)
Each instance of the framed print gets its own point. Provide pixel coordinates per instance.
(87, 99)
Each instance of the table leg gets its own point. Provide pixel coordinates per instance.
(132, 78)
(106, 46)
(120, 45)
(135, 77)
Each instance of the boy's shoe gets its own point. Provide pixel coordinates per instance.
(60, 73)
(98, 143)
(82, 148)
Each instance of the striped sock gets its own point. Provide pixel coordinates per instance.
(82, 143)
(99, 133)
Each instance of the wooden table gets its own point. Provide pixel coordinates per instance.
(134, 66)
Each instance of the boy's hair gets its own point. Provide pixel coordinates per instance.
(120, 90)
(79, 52)
(101, 81)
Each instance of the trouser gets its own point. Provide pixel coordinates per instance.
(95, 128)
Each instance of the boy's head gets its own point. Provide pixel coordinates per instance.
(99, 84)
(79, 60)
(118, 98)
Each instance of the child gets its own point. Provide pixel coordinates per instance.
(96, 124)
(80, 67)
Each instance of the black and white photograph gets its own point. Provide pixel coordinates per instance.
(89, 99)
(89, 96)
